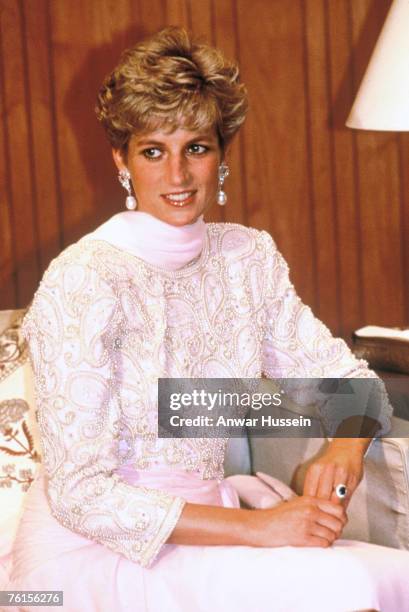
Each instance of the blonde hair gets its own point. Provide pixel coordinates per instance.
(170, 81)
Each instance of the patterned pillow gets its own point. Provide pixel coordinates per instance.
(19, 437)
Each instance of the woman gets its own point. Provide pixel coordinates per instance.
(121, 519)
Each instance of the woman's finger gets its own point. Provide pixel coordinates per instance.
(317, 542)
(331, 522)
(334, 509)
(311, 480)
(321, 531)
(326, 481)
(340, 478)
(352, 484)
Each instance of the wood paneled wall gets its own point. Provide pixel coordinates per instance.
(335, 200)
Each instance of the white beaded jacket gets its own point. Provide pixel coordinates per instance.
(104, 326)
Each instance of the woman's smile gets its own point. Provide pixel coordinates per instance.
(182, 198)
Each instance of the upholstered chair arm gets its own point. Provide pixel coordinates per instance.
(379, 510)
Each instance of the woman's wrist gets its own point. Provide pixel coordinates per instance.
(216, 525)
(358, 427)
(346, 434)
(359, 445)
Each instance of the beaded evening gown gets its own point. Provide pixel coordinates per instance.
(103, 326)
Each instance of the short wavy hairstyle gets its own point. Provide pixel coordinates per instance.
(170, 81)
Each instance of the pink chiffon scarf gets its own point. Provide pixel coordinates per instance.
(158, 243)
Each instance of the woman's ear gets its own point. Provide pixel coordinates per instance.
(119, 160)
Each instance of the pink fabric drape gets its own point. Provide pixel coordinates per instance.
(188, 485)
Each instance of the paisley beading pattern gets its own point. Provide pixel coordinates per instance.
(104, 325)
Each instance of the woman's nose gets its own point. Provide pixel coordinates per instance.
(178, 170)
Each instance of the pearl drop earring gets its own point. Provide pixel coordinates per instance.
(124, 177)
(223, 174)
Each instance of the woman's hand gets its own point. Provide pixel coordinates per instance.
(342, 463)
(302, 521)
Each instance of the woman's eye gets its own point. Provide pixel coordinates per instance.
(152, 153)
(197, 149)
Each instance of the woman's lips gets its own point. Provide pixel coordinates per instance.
(179, 199)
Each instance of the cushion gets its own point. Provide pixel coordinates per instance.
(260, 491)
(19, 437)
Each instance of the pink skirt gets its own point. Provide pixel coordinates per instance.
(348, 576)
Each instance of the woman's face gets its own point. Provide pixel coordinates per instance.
(174, 175)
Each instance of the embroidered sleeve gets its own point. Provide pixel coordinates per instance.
(71, 330)
(297, 345)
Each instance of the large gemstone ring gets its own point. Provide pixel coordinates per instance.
(341, 491)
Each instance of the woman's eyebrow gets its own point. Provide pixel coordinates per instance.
(148, 142)
(144, 142)
(203, 136)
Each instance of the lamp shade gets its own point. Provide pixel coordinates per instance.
(382, 102)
